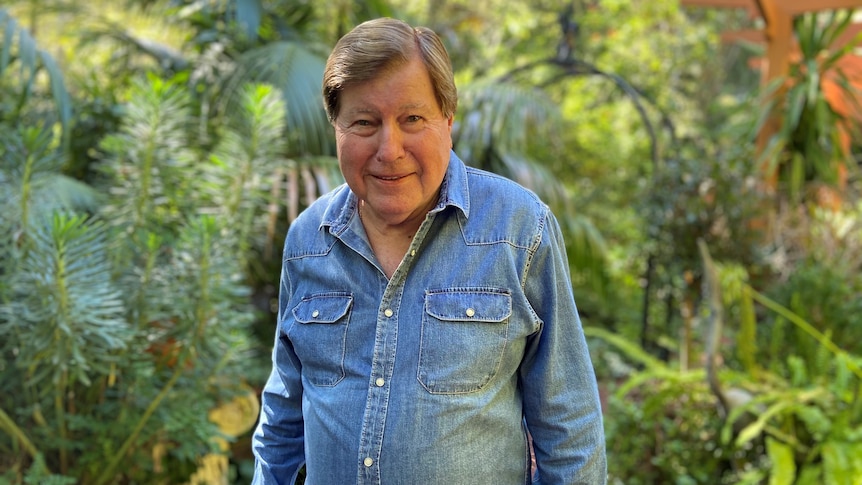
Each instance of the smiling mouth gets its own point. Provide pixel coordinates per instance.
(389, 178)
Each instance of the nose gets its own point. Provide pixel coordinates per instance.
(390, 144)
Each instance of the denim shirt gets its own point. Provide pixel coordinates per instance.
(441, 374)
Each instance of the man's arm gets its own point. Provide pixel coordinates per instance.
(278, 441)
(561, 400)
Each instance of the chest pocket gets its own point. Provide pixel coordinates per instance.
(464, 335)
(320, 336)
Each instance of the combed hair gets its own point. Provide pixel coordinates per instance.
(374, 46)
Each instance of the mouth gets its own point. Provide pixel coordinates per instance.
(389, 178)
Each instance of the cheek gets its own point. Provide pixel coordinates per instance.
(353, 147)
(351, 156)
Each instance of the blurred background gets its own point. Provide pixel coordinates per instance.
(702, 156)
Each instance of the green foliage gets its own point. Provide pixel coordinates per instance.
(21, 62)
(499, 122)
(245, 164)
(662, 424)
(112, 323)
(808, 146)
(66, 305)
(800, 425)
(179, 224)
(297, 72)
(39, 474)
(144, 163)
(30, 160)
(829, 300)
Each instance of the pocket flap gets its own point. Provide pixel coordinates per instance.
(469, 305)
(323, 308)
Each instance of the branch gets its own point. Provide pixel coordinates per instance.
(16, 432)
(108, 471)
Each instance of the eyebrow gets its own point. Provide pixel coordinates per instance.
(403, 107)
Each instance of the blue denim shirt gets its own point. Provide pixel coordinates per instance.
(436, 375)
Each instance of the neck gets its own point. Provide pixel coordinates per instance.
(379, 227)
(389, 243)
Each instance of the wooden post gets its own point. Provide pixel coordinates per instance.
(778, 16)
(779, 38)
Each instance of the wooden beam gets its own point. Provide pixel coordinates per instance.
(719, 3)
(794, 7)
(752, 36)
(757, 36)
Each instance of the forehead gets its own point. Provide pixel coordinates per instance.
(403, 86)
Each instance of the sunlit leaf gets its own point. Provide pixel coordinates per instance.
(629, 349)
(783, 463)
(842, 463)
(756, 428)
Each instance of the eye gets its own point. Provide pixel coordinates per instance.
(413, 118)
(362, 123)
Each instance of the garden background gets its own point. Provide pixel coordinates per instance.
(154, 152)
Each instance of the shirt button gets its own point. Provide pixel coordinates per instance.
(413, 252)
(380, 382)
(388, 312)
(368, 462)
(470, 312)
(315, 314)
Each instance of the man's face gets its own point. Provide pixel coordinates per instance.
(393, 143)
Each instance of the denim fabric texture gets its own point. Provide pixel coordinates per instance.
(437, 375)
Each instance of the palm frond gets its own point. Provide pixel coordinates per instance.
(57, 192)
(249, 14)
(503, 116)
(30, 60)
(586, 248)
(298, 73)
(501, 126)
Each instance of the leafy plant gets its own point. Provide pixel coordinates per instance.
(245, 163)
(663, 425)
(145, 163)
(801, 425)
(817, 97)
(64, 323)
(112, 323)
(811, 421)
(19, 98)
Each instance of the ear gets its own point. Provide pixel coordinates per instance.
(449, 122)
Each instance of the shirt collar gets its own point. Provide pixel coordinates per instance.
(454, 190)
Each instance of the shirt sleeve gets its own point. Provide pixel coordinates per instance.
(561, 401)
(278, 440)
